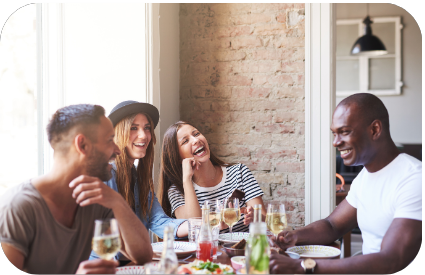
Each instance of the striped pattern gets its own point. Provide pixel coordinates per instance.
(237, 176)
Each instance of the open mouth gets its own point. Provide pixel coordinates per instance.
(345, 152)
(199, 152)
(140, 145)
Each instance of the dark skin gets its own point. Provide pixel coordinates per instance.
(365, 144)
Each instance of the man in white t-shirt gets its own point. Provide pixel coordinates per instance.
(385, 199)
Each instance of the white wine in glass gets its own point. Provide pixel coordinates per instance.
(106, 240)
(231, 213)
(276, 217)
(215, 212)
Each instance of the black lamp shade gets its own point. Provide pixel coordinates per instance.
(368, 44)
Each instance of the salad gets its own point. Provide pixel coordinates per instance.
(200, 267)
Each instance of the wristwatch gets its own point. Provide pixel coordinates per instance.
(308, 265)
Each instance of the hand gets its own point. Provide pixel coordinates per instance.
(249, 214)
(97, 267)
(91, 190)
(280, 264)
(285, 239)
(189, 165)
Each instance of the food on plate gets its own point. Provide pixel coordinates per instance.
(200, 267)
(239, 245)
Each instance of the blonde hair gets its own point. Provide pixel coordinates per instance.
(144, 168)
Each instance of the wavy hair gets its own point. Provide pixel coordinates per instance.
(171, 171)
(144, 168)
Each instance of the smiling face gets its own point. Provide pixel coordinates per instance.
(104, 151)
(351, 135)
(192, 144)
(139, 139)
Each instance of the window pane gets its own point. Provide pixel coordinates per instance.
(347, 75)
(346, 35)
(381, 73)
(18, 107)
(385, 32)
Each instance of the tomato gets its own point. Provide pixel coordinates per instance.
(218, 270)
(184, 270)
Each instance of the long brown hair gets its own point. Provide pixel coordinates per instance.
(171, 171)
(144, 168)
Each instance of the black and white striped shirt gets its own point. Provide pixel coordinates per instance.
(237, 176)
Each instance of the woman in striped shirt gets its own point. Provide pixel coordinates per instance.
(191, 173)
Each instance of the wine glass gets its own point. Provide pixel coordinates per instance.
(276, 217)
(106, 239)
(231, 213)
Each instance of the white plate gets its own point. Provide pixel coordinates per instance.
(134, 269)
(316, 251)
(236, 237)
(182, 249)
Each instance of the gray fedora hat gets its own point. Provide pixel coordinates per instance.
(130, 107)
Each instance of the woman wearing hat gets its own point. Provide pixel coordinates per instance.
(134, 123)
(191, 174)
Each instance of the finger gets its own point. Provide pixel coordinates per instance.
(98, 263)
(92, 200)
(244, 210)
(85, 187)
(88, 194)
(80, 179)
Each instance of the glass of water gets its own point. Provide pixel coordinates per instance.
(194, 227)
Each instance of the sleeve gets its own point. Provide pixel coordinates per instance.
(176, 198)
(251, 188)
(158, 220)
(408, 198)
(16, 228)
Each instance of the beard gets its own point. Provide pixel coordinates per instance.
(98, 166)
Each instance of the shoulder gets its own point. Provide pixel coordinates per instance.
(238, 167)
(409, 164)
(20, 196)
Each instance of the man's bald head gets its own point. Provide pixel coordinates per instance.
(369, 108)
(68, 120)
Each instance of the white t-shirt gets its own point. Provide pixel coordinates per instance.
(395, 191)
(237, 176)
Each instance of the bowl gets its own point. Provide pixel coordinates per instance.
(231, 252)
(238, 262)
(316, 251)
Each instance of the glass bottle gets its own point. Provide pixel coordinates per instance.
(257, 250)
(168, 262)
(205, 245)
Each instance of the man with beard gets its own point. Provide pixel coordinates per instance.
(47, 222)
(385, 199)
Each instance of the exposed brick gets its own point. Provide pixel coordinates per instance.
(275, 153)
(236, 80)
(281, 17)
(292, 167)
(263, 54)
(284, 116)
(293, 67)
(246, 42)
(229, 55)
(294, 92)
(233, 31)
(270, 29)
(244, 92)
(250, 116)
(259, 8)
(230, 8)
(275, 128)
(258, 165)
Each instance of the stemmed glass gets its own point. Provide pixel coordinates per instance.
(106, 239)
(231, 213)
(276, 217)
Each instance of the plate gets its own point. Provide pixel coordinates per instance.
(182, 249)
(236, 237)
(316, 251)
(134, 269)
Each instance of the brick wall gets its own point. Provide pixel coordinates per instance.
(242, 85)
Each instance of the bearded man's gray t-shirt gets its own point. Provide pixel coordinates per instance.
(27, 224)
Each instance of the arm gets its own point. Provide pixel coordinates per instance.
(399, 248)
(322, 232)
(249, 215)
(135, 238)
(191, 207)
(13, 255)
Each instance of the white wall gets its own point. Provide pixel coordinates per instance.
(169, 64)
(405, 110)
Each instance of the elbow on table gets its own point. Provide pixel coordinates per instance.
(145, 256)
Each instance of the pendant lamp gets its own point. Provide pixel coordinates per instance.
(368, 44)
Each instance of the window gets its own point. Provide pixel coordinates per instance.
(379, 75)
(18, 93)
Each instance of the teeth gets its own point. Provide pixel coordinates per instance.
(199, 149)
(345, 152)
(139, 144)
(111, 161)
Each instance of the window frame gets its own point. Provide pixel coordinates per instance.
(364, 60)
